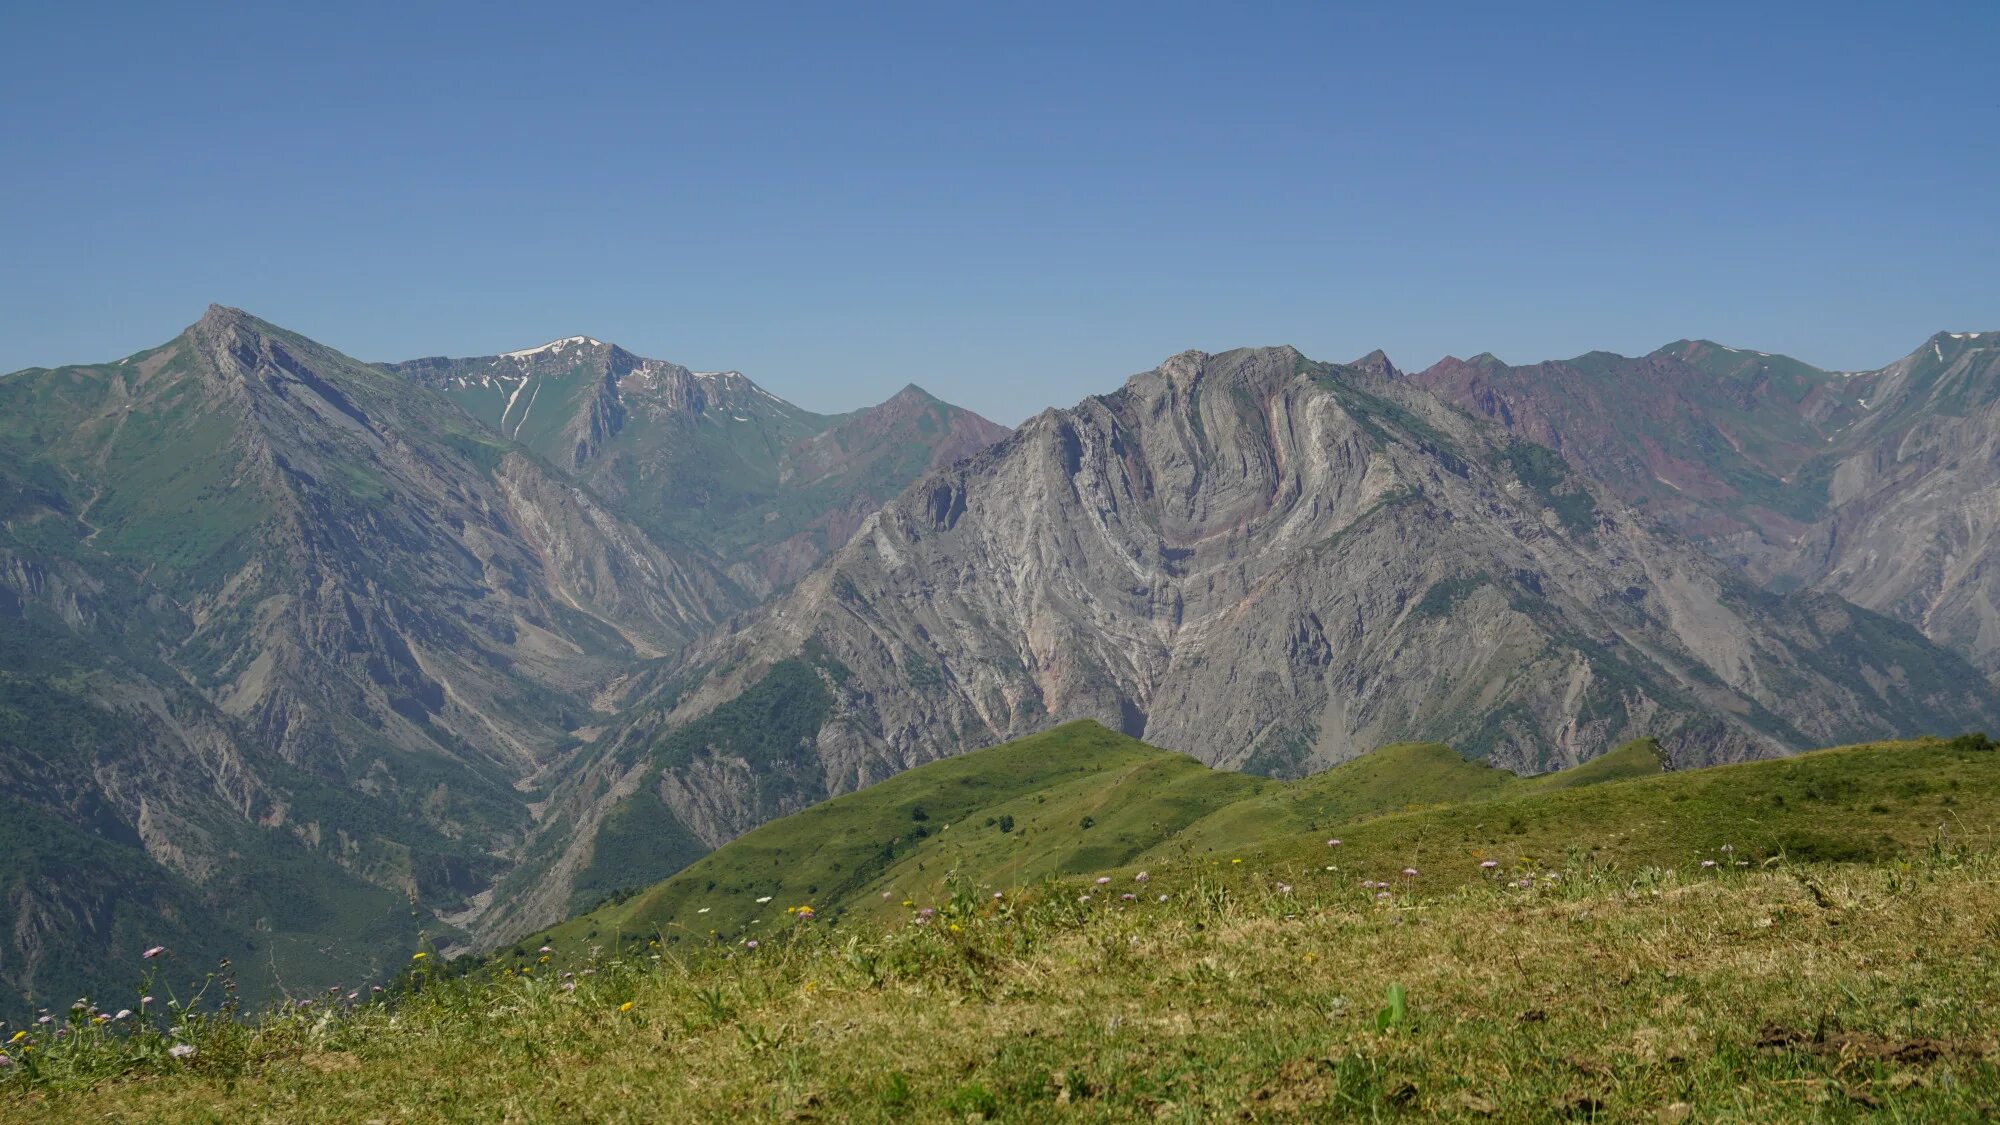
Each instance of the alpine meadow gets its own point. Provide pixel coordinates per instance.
(934, 652)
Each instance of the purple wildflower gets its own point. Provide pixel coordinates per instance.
(1488, 865)
(154, 952)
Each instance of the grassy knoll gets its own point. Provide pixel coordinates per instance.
(1806, 939)
(1795, 991)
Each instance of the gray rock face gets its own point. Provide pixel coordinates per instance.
(1878, 486)
(1272, 564)
(1913, 497)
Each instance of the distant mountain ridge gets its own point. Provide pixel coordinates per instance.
(301, 655)
(1875, 485)
(708, 457)
(1264, 561)
(286, 639)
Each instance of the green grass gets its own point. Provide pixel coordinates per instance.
(1080, 799)
(1786, 990)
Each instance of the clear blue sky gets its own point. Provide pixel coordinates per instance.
(1014, 205)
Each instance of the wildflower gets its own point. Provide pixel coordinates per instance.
(751, 944)
(18, 1036)
(1381, 894)
(1163, 898)
(1083, 898)
(1333, 843)
(703, 910)
(887, 895)
(1708, 863)
(373, 988)
(1488, 864)
(626, 1006)
(1141, 877)
(418, 955)
(907, 902)
(569, 986)
(1236, 861)
(145, 1000)
(6, 1061)
(1103, 879)
(1284, 888)
(44, 1019)
(123, 1014)
(546, 949)
(354, 996)
(1409, 872)
(927, 912)
(1128, 897)
(998, 896)
(154, 952)
(955, 928)
(1527, 881)
(181, 1050)
(1727, 848)
(763, 900)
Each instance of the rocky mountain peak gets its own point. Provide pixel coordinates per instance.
(1377, 363)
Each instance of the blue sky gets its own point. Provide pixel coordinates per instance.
(1014, 205)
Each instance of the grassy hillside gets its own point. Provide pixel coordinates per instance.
(1077, 798)
(1809, 939)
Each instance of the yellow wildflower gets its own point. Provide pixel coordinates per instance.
(418, 956)
(626, 1006)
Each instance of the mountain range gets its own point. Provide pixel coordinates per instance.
(302, 656)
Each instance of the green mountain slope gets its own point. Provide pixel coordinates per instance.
(1082, 800)
(1073, 799)
(708, 457)
(279, 634)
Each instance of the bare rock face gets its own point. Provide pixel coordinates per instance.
(1878, 485)
(1275, 565)
(1913, 498)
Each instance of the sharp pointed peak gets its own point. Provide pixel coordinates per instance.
(910, 392)
(1377, 362)
(227, 317)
